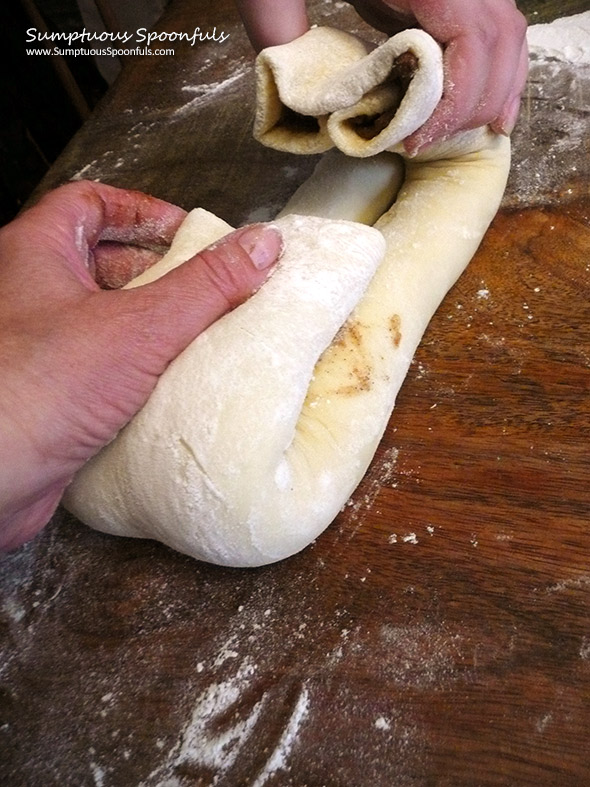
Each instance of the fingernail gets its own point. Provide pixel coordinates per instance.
(412, 149)
(263, 243)
(509, 117)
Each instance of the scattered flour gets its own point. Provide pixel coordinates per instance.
(98, 774)
(382, 475)
(205, 93)
(576, 583)
(566, 39)
(84, 173)
(409, 538)
(204, 743)
(222, 722)
(278, 759)
(14, 609)
(542, 723)
(551, 134)
(382, 723)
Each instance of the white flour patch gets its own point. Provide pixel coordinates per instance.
(382, 723)
(202, 742)
(98, 774)
(227, 652)
(422, 655)
(206, 742)
(279, 757)
(542, 723)
(409, 538)
(103, 166)
(551, 134)
(14, 609)
(566, 39)
(85, 172)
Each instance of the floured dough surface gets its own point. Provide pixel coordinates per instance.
(257, 434)
(363, 102)
(215, 465)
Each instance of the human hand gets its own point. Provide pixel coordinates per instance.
(77, 361)
(485, 53)
(485, 59)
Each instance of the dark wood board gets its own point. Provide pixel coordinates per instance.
(438, 633)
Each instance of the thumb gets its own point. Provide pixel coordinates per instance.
(185, 301)
(272, 22)
(106, 354)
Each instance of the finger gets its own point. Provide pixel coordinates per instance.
(506, 120)
(109, 213)
(66, 224)
(102, 362)
(24, 524)
(505, 79)
(116, 264)
(480, 83)
(173, 310)
(465, 72)
(483, 63)
(273, 22)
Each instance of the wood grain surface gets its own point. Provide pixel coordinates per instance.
(438, 633)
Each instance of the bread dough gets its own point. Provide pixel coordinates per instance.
(309, 100)
(347, 188)
(257, 434)
(221, 463)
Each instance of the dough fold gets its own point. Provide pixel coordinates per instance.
(218, 463)
(257, 434)
(362, 102)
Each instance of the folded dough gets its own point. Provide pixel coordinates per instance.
(363, 103)
(221, 463)
(256, 435)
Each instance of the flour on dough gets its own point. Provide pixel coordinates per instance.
(257, 434)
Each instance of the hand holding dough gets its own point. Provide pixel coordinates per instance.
(257, 434)
(221, 462)
(308, 102)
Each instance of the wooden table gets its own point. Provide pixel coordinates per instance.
(438, 633)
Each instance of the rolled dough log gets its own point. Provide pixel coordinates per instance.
(257, 434)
